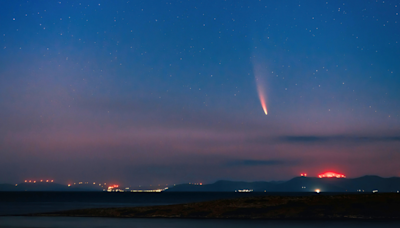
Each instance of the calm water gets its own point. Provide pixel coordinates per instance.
(21, 203)
(61, 222)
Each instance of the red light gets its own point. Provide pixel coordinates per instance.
(331, 175)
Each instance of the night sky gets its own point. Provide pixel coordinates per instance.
(163, 92)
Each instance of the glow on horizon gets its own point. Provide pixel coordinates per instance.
(331, 175)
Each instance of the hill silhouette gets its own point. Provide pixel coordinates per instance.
(297, 184)
(300, 184)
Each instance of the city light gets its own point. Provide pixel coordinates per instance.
(244, 190)
(317, 190)
(303, 174)
(41, 181)
(151, 190)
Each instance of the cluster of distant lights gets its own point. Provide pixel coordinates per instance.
(115, 188)
(34, 181)
(244, 190)
(69, 185)
(150, 190)
(112, 187)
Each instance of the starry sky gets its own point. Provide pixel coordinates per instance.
(149, 92)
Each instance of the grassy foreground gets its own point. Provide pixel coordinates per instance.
(355, 206)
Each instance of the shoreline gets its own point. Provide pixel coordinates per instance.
(382, 206)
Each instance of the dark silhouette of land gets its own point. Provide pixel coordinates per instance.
(301, 184)
(353, 206)
(297, 184)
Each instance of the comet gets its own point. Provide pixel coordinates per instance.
(260, 75)
(262, 95)
(262, 100)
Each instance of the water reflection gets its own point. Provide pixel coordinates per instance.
(65, 222)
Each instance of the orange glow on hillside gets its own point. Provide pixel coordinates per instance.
(331, 175)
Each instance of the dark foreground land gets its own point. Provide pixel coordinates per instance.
(355, 206)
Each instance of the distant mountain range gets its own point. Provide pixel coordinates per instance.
(297, 184)
(47, 187)
(300, 184)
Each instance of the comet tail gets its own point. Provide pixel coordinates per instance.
(262, 97)
(260, 77)
(263, 104)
